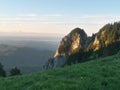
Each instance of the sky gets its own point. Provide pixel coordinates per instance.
(56, 16)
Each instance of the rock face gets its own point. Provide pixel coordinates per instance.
(77, 40)
(70, 44)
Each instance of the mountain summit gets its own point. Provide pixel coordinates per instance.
(75, 40)
(77, 46)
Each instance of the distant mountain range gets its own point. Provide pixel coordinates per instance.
(78, 47)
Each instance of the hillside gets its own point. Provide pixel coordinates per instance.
(99, 74)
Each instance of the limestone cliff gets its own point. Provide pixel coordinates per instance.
(71, 43)
(74, 41)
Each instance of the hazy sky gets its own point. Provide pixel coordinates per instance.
(56, 16)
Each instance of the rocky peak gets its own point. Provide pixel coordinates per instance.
(70, 44)
(75, 40)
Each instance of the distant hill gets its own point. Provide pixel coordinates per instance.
(78, 47)
(26, 58)
(98, 74)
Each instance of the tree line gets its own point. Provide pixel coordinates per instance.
(14, 71)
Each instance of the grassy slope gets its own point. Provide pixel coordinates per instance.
(100, 74)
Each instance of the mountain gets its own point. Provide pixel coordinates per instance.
(26, 58)
(107, 35)
(78, 47)
(98, 74)
(76, 39)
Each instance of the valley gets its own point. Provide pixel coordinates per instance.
(27, 53)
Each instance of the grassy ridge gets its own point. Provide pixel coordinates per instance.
(100, 74)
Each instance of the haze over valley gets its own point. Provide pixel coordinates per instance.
(29, 53)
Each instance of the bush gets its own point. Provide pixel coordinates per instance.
(15, 71)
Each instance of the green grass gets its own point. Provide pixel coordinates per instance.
(99, 74)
